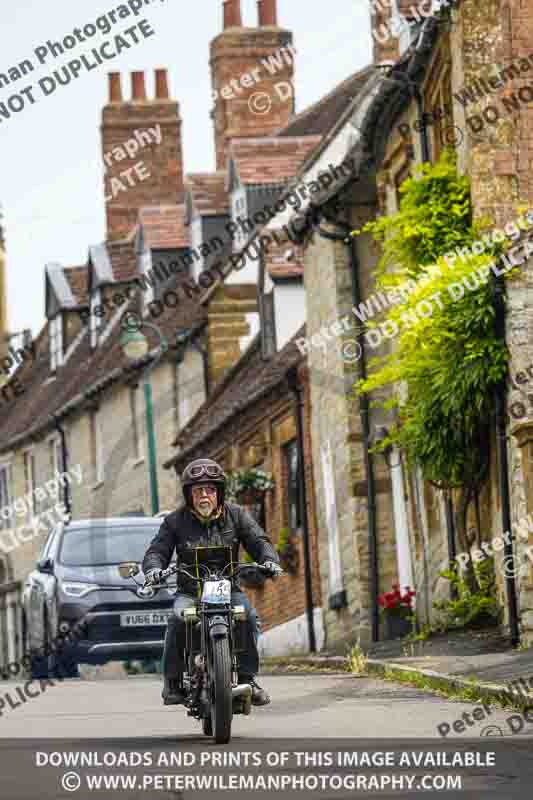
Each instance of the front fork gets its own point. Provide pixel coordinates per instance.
(198, 652)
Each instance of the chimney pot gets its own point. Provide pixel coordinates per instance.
(232, 14)
(268, 12)
(138, 88)
(161, 84)
(115, 87)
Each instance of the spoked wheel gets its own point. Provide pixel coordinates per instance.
(221, 695)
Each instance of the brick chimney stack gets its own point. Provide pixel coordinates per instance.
(247, 62)
(386, 46)
(268, 12)
(130, 133)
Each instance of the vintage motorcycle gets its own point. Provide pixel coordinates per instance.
(215, 635)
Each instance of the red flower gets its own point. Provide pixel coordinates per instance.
(395, 599)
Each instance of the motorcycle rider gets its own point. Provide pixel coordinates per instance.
(206, 520)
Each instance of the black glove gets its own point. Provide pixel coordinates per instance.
(273, 568)
(153, 575)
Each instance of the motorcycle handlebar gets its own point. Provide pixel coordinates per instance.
(175, 570)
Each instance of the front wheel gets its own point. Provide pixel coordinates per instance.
(221, 695)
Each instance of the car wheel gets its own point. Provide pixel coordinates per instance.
(67, 666)
(62, 663)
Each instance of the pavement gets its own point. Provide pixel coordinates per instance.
(454, 660)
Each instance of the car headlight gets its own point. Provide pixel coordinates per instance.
(78, 589)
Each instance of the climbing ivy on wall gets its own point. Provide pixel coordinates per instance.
(444, 365)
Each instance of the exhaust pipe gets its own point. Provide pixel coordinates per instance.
(243, 690)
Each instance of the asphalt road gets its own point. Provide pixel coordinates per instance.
(310, 715)
(317, 705)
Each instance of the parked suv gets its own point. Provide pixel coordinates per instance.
(76, 580)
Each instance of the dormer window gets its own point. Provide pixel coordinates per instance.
(95, 320)
(56, 342)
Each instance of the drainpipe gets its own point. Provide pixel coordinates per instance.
(64, 457)
(424, 141)
(414, 91)
(503, 470)
(364, 406)
(296, 389)
(450, 529)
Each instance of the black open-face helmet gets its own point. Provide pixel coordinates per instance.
(200, 472)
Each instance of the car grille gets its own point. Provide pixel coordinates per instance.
(103, 622)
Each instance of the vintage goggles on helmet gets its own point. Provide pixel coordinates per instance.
(211, 470)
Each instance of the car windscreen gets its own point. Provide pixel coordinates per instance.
(100, 545)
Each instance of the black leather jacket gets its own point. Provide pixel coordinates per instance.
(182, 531)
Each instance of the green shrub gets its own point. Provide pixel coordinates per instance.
(470, 608)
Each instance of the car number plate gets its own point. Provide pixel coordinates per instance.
(144, 618)
(216, 592)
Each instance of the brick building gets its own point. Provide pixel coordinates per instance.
(80, 390)
(391, 526)
(81, 402)
(473, 48)
(378, 522)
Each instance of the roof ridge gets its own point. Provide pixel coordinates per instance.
(301, 114)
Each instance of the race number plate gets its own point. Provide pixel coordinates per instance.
(216, 592)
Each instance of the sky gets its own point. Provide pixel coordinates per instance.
(51, 173)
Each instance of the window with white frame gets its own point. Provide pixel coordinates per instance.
(95, 321)
(55, 333)
(145, 262)
(56, 456)
(196, 241)
(183, 398)
(30, 481)
(134, 408)
(5, 496)
(238, 206)
(97, 452)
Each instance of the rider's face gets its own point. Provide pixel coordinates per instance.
(204, 500)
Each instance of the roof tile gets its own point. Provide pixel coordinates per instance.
(270, 160)
(244, 384)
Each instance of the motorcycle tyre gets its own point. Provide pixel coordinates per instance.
(221, 694)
